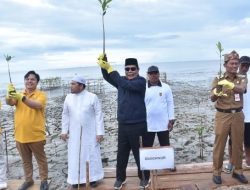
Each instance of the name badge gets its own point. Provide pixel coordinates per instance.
(237, 97)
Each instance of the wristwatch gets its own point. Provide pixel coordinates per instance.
(23, 98)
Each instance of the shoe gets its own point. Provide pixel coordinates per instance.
(240, 177)
(217, 179)
(247, 166)
(119, 183)
(144, 183)
(3, 185)
(80, 185)
(26, 185)
(44, 185)
(93, 184)
(173, 169)
(228, 168)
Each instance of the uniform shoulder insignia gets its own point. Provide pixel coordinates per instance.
(241, 76)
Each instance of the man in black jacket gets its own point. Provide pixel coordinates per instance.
(131, 116)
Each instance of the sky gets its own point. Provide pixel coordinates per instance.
(46, 34)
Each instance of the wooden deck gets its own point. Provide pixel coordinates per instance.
(186, 177)
(14, 184)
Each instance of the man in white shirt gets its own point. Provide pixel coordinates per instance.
(83, 127)
(160, 109)
(244, 67)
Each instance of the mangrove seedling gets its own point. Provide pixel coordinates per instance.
(200, 130)
(220, 49)
(104, 6)
(8, 59)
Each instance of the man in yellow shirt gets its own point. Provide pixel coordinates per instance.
(30, 128)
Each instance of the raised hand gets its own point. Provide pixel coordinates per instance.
(227, 84)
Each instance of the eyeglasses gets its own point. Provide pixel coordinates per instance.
(130, 68)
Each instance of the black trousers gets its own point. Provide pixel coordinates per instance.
(246, 136)
(129, 139)
(163, 137)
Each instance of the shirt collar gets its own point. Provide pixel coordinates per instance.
(29, 94)
(158, 84)
(227, 76)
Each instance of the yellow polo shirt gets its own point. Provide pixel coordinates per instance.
(29, 122)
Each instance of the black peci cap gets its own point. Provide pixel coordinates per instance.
(153, 69)
(131, 61)
(245, 59)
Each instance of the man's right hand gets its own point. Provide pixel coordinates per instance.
(219, 93)
(10, 90)
(102, 57)
(104, 64)
(64, 137)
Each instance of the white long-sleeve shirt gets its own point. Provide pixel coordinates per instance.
(160, 107)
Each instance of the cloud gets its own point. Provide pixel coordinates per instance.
(64, 33)
(34, 3)
(157, 36)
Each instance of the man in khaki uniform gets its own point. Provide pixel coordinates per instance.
(227, 93)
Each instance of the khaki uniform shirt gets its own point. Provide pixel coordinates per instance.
(233, 100)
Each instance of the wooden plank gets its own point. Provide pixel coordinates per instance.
(189, 176)
(180, 169)
(108, 184)
(186, 177)
(15, 184)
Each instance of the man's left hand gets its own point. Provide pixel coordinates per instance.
(170, 126)
(17, 96)
(227, 84)
(99, 138)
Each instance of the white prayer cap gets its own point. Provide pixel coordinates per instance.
(79, 79)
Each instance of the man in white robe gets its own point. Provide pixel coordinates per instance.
(83, 129)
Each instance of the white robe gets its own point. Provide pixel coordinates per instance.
(82, 111)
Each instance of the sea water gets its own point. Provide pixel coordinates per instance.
(185, 71)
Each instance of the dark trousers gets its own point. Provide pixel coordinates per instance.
(163, 137)
(247, 135)
(128, 139)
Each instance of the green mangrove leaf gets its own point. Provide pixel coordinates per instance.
(104, 4)
(8, 57)
(219, 47)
